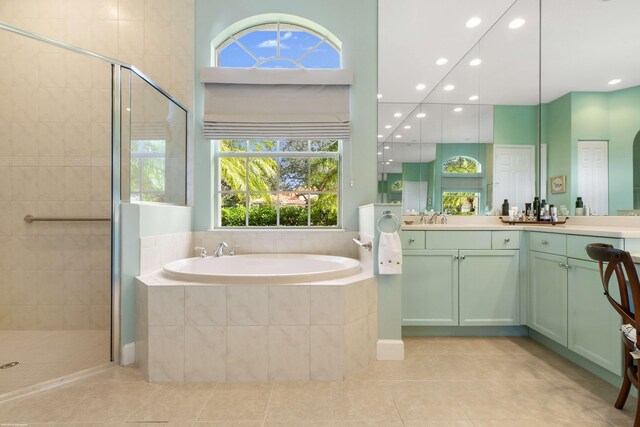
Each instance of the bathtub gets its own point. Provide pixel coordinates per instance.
(263, 269)
(258, 317)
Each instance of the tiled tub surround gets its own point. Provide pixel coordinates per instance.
(319, 242)
(313, 331)
(156, 251)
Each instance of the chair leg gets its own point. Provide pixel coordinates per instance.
(626, 382)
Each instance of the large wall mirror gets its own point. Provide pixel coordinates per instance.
(541, 97)
(458, 131)
(590, 92)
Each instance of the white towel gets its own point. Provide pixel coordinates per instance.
(389, 253)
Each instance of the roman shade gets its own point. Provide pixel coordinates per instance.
(276, 103)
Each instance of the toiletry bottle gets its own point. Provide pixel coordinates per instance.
(587, 211)
(554, 213)
(527, 209)
(536, 208)
(505, 207)
(579, 207)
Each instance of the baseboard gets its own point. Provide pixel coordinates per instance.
(390, 350)
(128, 355)
(464, 331)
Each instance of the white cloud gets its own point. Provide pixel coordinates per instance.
(268, 43)
(286, 35)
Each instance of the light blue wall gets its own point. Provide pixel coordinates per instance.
(142, 220)
(354, 22)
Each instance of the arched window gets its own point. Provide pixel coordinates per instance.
(277, 45)
(462, 164)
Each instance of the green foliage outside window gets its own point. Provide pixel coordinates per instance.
(461, 164)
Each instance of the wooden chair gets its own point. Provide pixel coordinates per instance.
(619, 262)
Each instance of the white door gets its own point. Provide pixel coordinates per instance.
(593, 175)
(513, 174)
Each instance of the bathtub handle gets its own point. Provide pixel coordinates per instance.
(368, 245)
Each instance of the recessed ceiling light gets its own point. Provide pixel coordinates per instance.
(397, 114)
(475, 61)
(457, 109)
(516, 23)
(421, 86)
(379, 152)
(386, 147)
(391, 160)
(473, 98)
(387, 126)
(398, 136)
(407, 127)
(386, 163)
(379, 95)
(614, 81)
(379, 136)
(421, 115)
(449, 87)
(473, 22)
(442, 61)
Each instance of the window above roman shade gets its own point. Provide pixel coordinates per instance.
(276, 103)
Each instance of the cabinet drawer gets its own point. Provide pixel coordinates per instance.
(412, 239)
(576, 245)
(505, 239)
(548, 242)
(458, 240)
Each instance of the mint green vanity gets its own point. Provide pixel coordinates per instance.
(510, 277)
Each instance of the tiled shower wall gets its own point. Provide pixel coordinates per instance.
(55, 145)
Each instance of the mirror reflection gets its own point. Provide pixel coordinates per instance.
(471, 140)
(590, 97)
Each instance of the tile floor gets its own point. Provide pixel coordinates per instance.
(460, 382)
(46, 355)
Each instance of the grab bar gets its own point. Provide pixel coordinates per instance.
(368, 245)
(30, 218)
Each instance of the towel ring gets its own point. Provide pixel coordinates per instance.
(389, 214)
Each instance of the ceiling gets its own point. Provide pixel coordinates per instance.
(584, 43)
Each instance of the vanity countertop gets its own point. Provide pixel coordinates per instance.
(583, 230)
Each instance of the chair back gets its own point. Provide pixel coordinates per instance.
(618, 262)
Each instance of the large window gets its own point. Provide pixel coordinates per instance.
(270, 183)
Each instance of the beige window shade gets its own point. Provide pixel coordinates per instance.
(276, 103)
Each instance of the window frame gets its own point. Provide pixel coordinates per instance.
(235, 38)
(216, 184)
(139, 157)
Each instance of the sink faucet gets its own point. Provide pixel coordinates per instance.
(220, 250)
(444, 218)
(434, 218)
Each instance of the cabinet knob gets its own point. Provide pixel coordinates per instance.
(544, 242)
(412, 240)
(561, 265)
(507, 240)
(463, 256)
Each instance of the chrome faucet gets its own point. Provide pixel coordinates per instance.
(220, 250)
(434, 218)
(444, 218)
(201, 251)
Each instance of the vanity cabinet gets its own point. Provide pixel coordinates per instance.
(566, 298)
(471, 285)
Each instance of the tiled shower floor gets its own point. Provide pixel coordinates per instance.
(461, 382)
(47, 355)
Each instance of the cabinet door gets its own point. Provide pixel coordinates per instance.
(593, 324)
(488, 286)
(430, 288)
(548, 295)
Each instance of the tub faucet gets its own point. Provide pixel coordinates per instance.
(201, 251)
(220, 250)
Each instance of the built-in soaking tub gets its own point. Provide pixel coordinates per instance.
(259, 317)
(263, 269)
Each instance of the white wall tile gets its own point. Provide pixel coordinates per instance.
(247, 305)
(288, 353)
(247, 353)
(205, 305)
(166, 353)
(289, 305)
(327, 353)
(166, 305)
(326, 305)
(205, 353)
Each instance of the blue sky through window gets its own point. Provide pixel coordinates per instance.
(298, 49)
